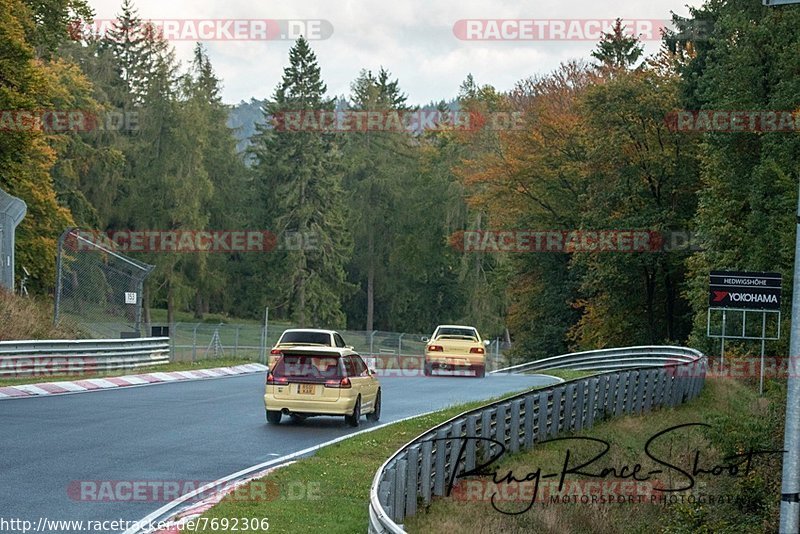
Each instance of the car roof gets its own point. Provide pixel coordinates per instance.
(319, 330)
(456, 326)
(316, 350)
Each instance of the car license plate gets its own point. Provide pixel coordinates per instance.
(306, 389)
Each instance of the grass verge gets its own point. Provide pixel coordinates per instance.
(566, 374)
(172, 366)
(328, 492)
(739, 421)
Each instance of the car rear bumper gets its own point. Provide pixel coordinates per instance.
(452, 362)
(341, 406)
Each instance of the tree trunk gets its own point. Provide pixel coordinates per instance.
(370, 282)
(198, 305)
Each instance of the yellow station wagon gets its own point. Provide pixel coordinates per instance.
(453, 347)
(309, 381)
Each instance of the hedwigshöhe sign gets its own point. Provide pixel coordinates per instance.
(745, 290)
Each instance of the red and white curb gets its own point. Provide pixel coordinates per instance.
(177, 523)
(111, 382)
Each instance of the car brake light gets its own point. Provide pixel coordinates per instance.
(275, 351)
(435, 348)
(280, 381)
(344, 383)
(476, 350)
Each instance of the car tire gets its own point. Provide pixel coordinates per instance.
(297, 418)
(354, 419)
(428, 369)
(273, 417)
(480, 372)
(376, 413)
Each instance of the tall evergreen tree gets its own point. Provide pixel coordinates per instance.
(617, 51)
(299, 177)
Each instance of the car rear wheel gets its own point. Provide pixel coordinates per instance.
(480, 372)
(428, 369)
(354, 419)
(376, 413)
(273, 417)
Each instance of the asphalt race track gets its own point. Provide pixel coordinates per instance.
(186, 431)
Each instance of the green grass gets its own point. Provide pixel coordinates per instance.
(339, 477)
(739, 421)
(172, 366)
(567, 374)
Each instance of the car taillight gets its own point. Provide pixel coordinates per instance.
(275, 351)
(279, 381)
(435, 348)
(344, 383)
(476, 350)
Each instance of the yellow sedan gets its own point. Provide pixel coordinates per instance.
(310, 381)
(453, 347)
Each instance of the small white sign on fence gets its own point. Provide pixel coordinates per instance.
(130, 298)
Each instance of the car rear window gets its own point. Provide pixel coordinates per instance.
(315, 338)
(308, 367)
(457, 333)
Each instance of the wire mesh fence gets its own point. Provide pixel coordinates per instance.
(96, 285)
(385, 350)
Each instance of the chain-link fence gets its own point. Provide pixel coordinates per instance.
(203, 341)
(95, 285)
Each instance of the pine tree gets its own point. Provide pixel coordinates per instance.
(617, 51)
(300, 182)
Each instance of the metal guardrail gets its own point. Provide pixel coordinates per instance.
(608, 359)
(54, 357)
(422, 468)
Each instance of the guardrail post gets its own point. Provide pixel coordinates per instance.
(544, 401)
(527, 431)
(486, 432)
(412, 479)
(441, 459)
(630, 390)
(426, 472)
(641, 384)
(513, 430)
(400, 490)
(558, 411)
(500, 423)
(619, 393)
(570, 409)
(580, 405)
(470, 451)
(591, 405)
(387, 485)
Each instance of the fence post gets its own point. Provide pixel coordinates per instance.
(236, 342)
(194, 343)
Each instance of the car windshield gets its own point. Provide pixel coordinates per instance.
(306, 337)
(457, 333)
(308, 367)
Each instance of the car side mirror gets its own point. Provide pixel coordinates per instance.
(350, 347)
(425, 339)
(372, 372)
(487, 342)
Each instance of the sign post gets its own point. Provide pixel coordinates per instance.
(743, 292)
